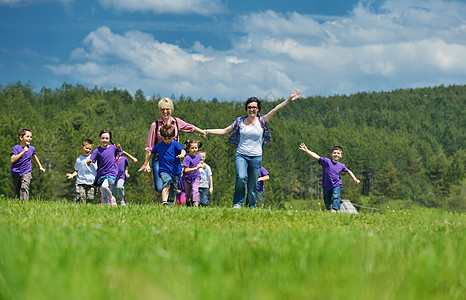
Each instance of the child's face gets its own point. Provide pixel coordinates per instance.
(168, 139)
(26, 139)
(202, 156)
(337, 155)
(105, 139)
(87, 148)
(193, 148)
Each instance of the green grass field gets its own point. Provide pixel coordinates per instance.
(58, 250)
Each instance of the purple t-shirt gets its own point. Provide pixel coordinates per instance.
(191, 162)
(122, 163)
(168, 163)
(260, 184)
(331, 173)
(23, 164)
(106, 161)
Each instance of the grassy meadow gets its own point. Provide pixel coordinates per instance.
(61, 250)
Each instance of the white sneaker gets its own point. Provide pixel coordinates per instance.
(122, 202)
(333, 211)
(113, 201)
(237, 206)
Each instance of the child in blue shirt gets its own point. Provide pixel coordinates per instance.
(169, 152)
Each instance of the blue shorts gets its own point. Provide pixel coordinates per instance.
(99, 180)
(170, 179)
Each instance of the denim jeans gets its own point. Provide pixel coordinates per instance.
(155, 170)
(248, 169)
(204, 196)
(332, 198)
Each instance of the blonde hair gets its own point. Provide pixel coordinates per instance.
(166, 102)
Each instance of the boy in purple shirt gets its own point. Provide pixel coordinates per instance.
(21, 166)
(331, 180)
(170, 152)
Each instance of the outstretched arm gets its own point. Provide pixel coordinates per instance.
(145, 167)
(309, 152)
(224, 131)
(202, 133)
(71, 175)
(134, 159)
(273, 112)
(356, 181)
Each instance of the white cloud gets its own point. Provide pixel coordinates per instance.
(202, 7)
(368, 50)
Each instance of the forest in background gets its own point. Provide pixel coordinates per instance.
(406, 145)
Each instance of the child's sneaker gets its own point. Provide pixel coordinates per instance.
(237, 206)
(164, 203)
(122, 202)
(113, 202)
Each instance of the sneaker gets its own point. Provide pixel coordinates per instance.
(237, 206)
(113, 201)
(122, 202)
(165, 203)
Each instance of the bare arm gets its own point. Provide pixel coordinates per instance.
(71, 175)
(145, 167)
(309, 152)
(14, 158)
(189, 170)
(273, 112)
(224, 131)
(211, 188)
(264, 178)
(182, 154)
(356, 181)
(36, 159)
(134, 159)
(201, 132)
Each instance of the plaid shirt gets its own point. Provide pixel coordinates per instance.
(235, 136)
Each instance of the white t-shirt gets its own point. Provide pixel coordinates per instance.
(251, 139)
(86, 174)
(205, 182)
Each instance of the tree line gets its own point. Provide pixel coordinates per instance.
(407, 144)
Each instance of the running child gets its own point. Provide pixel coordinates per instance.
(192, 163)
(119, 187)
(84, 188)
(21, 167)
(331, 180)
(206, 184)
(105, 156)
(170, 152)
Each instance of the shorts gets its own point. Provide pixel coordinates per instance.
(170, 179)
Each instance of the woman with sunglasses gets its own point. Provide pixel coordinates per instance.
(250, 133)
(166, 109)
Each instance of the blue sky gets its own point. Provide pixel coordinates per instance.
(232, 50)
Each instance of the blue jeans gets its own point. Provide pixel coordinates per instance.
(332, 198)
(248, 169)
(155, 171)
(204, 196)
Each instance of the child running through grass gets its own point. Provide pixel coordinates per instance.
(170, 152)
(107, 171)
(21, 167)
(206, 184)
(118, 189)
(84, 188)
(331, 180)
(192, 163)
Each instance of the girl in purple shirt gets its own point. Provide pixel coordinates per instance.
(192, 177)
(105, 156)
